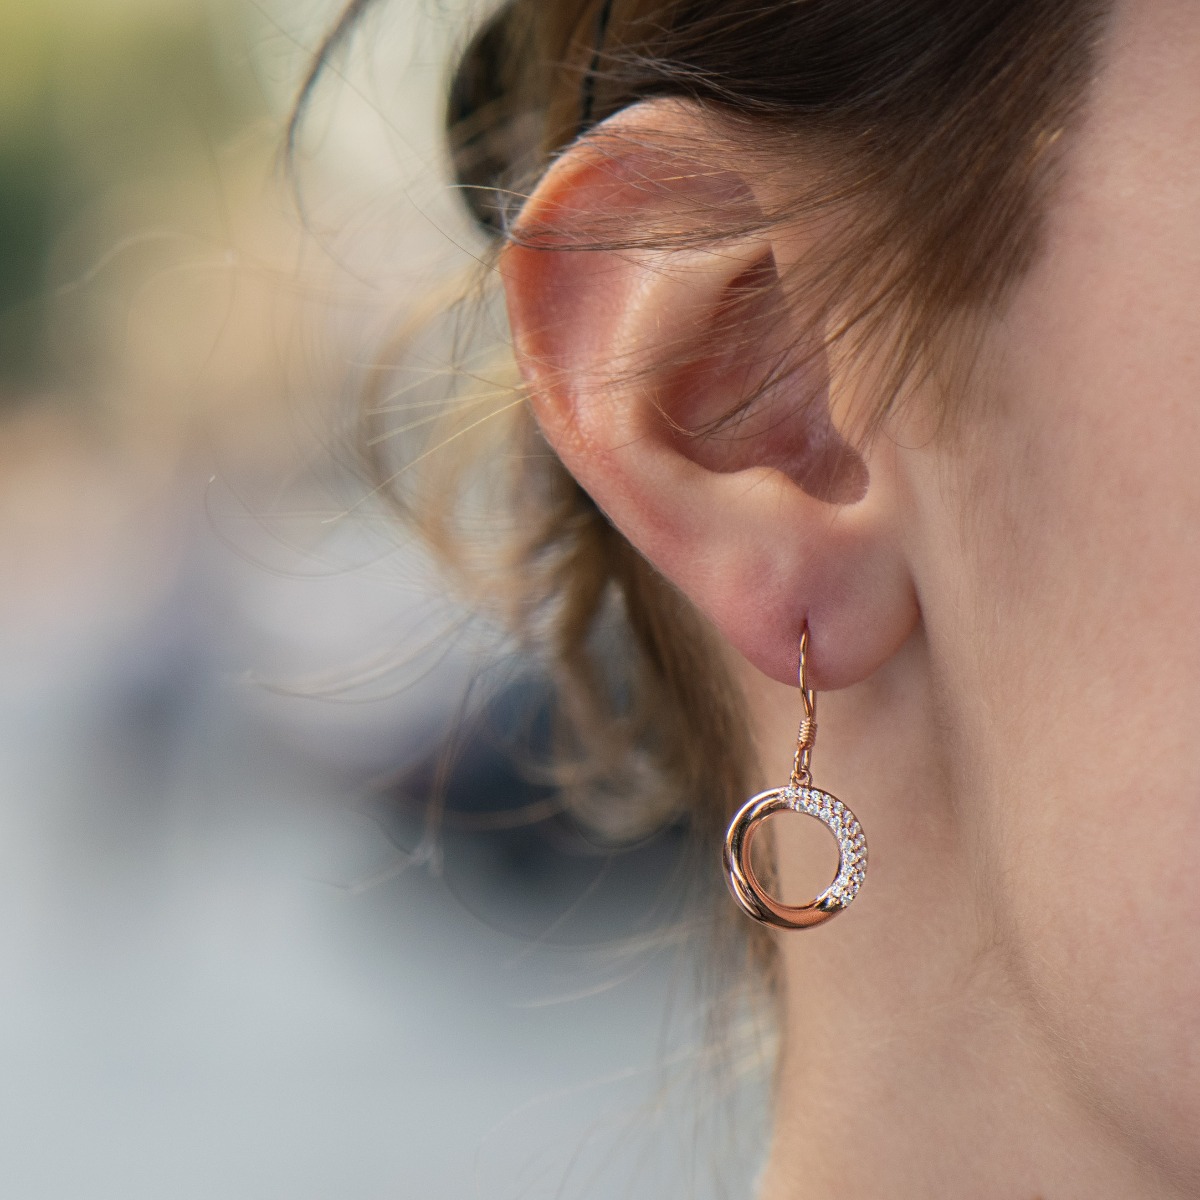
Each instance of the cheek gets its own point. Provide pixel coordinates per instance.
(1083, 551)
(1088, 699)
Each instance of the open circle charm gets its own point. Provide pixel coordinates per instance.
(852, 857)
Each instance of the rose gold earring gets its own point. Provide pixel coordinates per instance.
(800, 797)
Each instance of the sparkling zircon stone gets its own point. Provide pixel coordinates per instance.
(852, 844)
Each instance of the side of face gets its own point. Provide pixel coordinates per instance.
(1059, 565)
(1047, 552)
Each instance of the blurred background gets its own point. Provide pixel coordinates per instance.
(237, 957)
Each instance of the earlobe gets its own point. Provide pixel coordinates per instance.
(676, 385)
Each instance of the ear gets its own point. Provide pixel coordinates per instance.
(633, 353)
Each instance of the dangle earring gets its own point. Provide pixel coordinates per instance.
(800, 797)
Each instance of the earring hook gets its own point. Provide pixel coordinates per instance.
(807, 735)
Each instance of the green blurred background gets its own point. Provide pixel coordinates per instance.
(224, 972)
(96, 94)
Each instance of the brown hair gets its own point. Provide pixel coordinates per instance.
(932, 121)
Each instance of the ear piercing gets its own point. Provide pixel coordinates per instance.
(799, 796)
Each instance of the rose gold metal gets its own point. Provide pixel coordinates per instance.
(807, 736)
(745, 885)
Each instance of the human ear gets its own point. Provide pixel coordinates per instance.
(635, 346)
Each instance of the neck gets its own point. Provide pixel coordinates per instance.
(913, 1065)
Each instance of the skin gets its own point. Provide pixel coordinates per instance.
(1005, 628)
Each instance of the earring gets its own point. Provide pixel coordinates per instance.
(800, 797)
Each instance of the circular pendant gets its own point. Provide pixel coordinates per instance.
(852, 857)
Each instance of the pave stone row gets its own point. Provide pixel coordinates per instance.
(852, 843)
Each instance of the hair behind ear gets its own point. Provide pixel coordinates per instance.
(653, 721)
